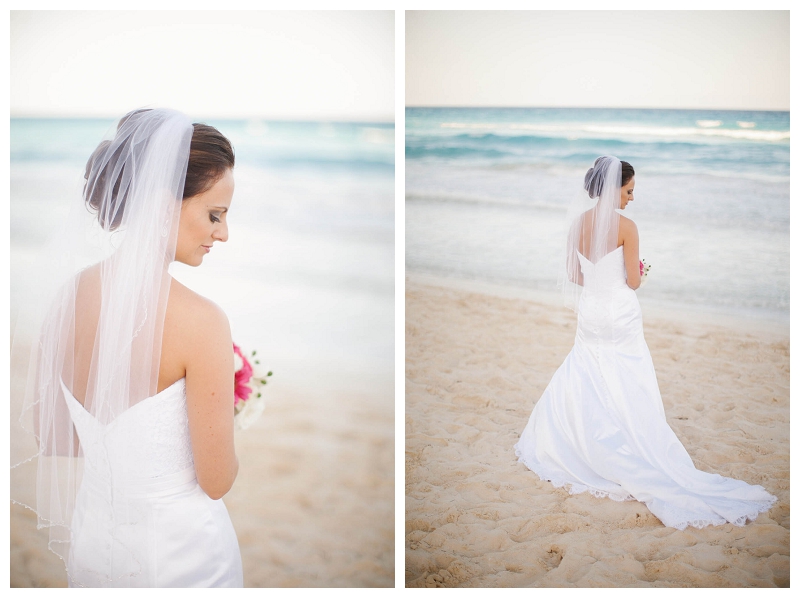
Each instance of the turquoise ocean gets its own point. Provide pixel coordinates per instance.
(487, 191)
(307, 275)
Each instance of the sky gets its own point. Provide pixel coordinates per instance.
(615, 59)
(232, 64)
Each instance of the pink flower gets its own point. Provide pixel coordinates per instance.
(241, 388)
(641, 268)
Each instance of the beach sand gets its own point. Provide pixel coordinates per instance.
(313, 504)
(475, 517)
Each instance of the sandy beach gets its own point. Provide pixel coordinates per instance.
(313, 503)
(475, 517)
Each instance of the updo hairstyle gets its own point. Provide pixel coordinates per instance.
(210, 155)
(594, 184)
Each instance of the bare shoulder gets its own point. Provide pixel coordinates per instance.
(627, 230)
(90, 274)
(89, 279)
(191, 305)
(627, 224)
(197, 317)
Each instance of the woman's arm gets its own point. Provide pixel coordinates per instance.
(209, 395)
(630, 250)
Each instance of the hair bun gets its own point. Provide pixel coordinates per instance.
(105, 202)
(591, 184)
(109, 171)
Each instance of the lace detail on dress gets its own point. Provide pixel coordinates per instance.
(139, 510)
(149, 440)
(673, 517)
(169, 448)
(572, 487)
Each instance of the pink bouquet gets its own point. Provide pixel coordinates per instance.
(248, 378)
(644, 268)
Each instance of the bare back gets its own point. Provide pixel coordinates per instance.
(585, 242)
(181, 313)
(196, 345)
(627, 238)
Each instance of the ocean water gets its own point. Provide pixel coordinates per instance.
(307, 275)
(487, 191)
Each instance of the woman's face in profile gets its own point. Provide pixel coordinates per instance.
(203, 221)
(626, 193)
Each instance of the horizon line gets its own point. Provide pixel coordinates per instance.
(520, 107)
(364, 119)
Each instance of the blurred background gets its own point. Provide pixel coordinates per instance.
(306, 278)
(505, 112)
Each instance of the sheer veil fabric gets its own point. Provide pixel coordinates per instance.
(593, 217)
(92, 324)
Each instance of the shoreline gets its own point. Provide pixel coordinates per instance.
(743, 320)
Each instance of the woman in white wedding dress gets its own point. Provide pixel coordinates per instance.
(130, 386)
(600, 424)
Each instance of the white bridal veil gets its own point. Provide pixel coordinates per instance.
(91, 328)
(592, 224)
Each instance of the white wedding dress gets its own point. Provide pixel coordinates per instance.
(600, 425)
(174, 535)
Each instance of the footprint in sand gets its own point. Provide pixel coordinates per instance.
(553, 557)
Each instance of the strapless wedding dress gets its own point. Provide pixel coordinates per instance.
(600, 425)
(174, 535)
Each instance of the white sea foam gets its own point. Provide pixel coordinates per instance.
(377, 135)
(708, 123)
(256, 128)
(577, 131)
(460, 197)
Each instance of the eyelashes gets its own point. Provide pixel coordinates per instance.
(213, 218)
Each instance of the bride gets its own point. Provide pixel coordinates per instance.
(600, 425)
(129, 394)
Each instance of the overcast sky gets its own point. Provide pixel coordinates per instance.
(302, 65)
(652, 59)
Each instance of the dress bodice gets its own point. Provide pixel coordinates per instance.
(141, 518)
(607, 273)
(149, 440)
(608, 312)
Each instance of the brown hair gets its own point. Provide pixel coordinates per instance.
(210, 155)
(627, 173)
(94, 189)
(594, 185)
